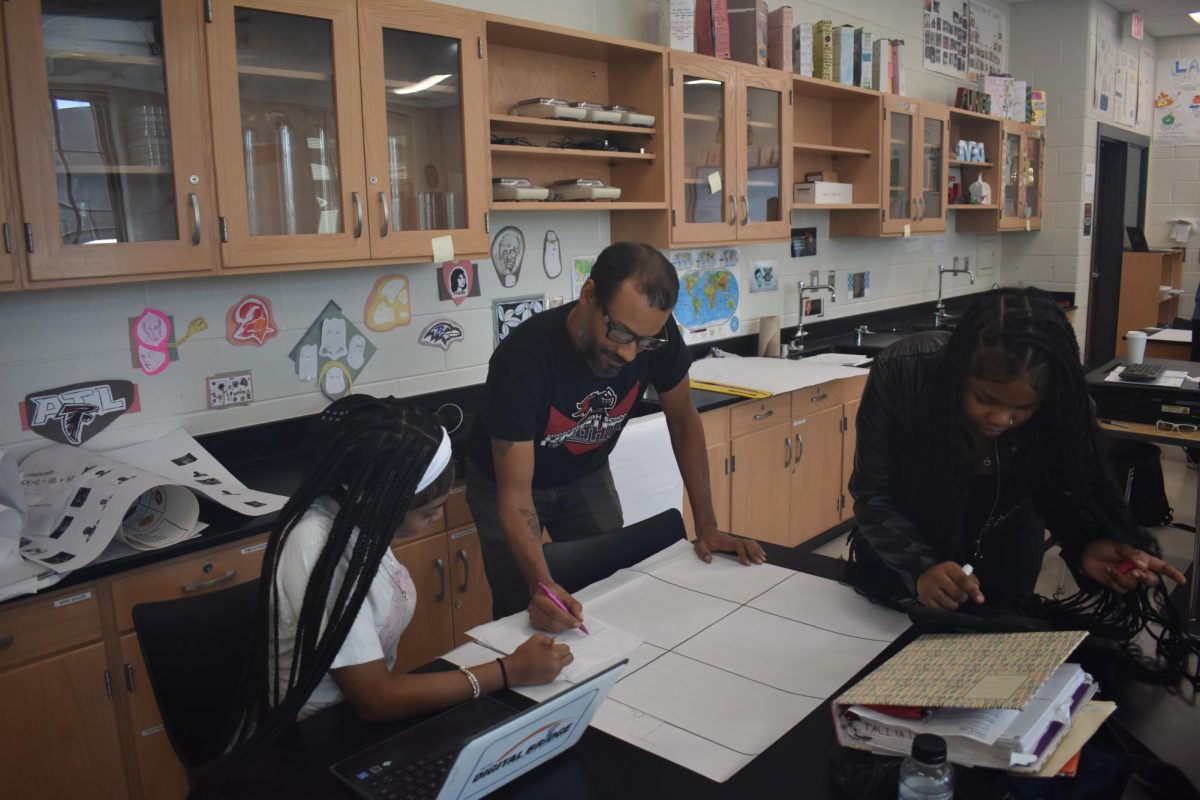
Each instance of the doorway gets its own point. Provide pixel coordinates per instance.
(1121, 164)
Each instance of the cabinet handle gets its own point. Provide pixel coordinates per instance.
(727, 466)
(770, 412)
(816, 398)
(745, 210)
(6, 641)
(462, 556)
(188, 588)
(787, 442)
(195, 204)
(387, 219)
(7, 239)
(441, 568)
(732, 210)
(799, 448)
(129, 677)
(108, 684)
(354, 199)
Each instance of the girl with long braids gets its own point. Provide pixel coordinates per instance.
(333, 599)
(970, 447)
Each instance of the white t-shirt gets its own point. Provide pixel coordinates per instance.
(385, 613)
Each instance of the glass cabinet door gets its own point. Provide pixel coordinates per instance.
(287, 132)
(1010, 198)
(931, 204)
(1031, 183)
(112, 154)
(703, 171)
(764, 201)
(422, 103)
(899, 129)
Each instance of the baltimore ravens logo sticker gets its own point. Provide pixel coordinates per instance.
(441, 333)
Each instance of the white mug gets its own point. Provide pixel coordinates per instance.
(1135, 347)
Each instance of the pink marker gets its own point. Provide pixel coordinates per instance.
(561, 605)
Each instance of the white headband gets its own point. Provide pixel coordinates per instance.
(437, 464)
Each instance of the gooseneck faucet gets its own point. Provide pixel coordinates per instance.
(797, 344)
(940, 314)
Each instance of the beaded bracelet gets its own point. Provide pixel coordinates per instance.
(474, 682)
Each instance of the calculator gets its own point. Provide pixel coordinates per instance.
(1141, 373)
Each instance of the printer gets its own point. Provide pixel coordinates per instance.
(1145, 402)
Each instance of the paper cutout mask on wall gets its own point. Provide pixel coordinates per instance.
(75, 413)
(388, 305)
(250, 321)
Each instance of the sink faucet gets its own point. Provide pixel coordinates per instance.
(940, 314)
(797, 344)
(859, 332)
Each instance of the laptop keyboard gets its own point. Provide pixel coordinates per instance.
(410, 780)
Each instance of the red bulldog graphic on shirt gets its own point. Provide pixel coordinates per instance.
(596, 419)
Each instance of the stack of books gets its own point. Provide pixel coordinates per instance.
(1005, 701)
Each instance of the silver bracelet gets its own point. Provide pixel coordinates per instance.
(474, 682)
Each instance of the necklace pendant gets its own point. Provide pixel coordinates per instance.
(987, 461)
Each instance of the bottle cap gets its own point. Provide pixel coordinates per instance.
(929, 748)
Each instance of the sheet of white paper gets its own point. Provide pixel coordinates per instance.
(644, 469)
(1171, 335)
(13, 510)
(180, 459)
(831, 606)
(603, 643)
(1169, 377)
(776, 651)
(725, 577)
(839, 359)
(728, 709)
(775, 375)
(660, 613)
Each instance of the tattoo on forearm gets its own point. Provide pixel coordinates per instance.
(531, 519)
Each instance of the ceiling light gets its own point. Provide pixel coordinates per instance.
(421, 85)
(1195, 15)
(699, 81)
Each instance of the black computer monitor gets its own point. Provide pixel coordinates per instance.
(1137, 239)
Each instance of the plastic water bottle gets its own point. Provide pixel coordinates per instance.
(926, 775)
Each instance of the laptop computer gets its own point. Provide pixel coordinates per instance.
(1137, 239)
(476, 747)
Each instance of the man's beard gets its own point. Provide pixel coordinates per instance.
(594, 354)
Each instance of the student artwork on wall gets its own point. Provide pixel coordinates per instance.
(151, 339)
(763, 277)
(945, 24)
(388, 304)
(858, 284)
(581, 270)
(331, 338)
(509, 313)
(230, 389)
(250, 321)
(804, 242)
(75, 413)
(814, 307)
(1177, 102)
(335, 380)
(441, 333)
(551, 255)
(508, 251)
(457, 281)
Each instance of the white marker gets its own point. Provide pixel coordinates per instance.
(968, 570)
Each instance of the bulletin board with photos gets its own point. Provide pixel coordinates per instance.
(964, 38)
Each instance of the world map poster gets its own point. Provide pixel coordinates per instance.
(709, 295)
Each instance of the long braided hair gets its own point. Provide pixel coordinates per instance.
(1007, 334)
(369, 455)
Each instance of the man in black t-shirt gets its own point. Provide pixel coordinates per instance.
(559, 391)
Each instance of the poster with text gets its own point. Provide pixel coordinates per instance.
(1177, 102)
(1125, 90)
(1106, 72)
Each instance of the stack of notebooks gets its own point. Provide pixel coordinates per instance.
(1002, 700)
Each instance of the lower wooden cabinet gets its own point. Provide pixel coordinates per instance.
(789, 462)
(716, 437)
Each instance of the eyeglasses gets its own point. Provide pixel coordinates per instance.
(622, 336)
(1185, 428)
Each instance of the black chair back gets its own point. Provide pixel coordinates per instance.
(198, 651)
(578, 563)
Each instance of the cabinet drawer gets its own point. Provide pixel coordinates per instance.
(756, 415)
(812, 399)
(48, 624)
(457, 512)
(205, 572)
(716, 426)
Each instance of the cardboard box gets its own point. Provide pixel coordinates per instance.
(863, 58)
(779, 30)
(802, 49)
(823, 50)
(899, 85)
(881, 67)
(712, 28)
(823, 192)
(678, 24)
(748, 31)
(820, 175)
(843, 54)
(1037, 107)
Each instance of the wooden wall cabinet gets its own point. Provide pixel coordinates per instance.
(836, 131)
(1015, 171)
(10, 220)
(1150, 284)
(731, 169)
(915, 140)
(112, 142)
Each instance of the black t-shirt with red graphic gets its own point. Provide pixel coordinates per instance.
(539, 388)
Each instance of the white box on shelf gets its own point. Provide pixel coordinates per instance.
(823, 192)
